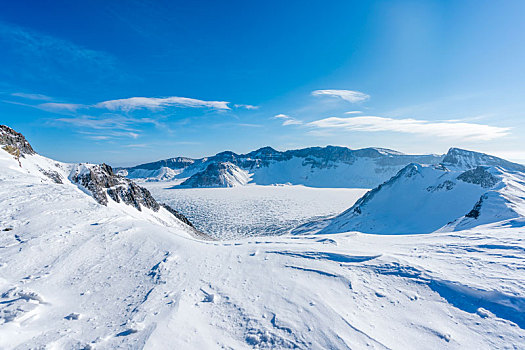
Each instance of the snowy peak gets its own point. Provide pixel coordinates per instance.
(14, 142)
(426, 198)
(224, 174)
(461, 158)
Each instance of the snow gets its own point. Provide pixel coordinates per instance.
(427, 198)
(74, 273)
(253, 210)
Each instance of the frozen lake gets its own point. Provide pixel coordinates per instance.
(254, 210)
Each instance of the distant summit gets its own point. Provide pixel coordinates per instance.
(469, 159)
(218, 175)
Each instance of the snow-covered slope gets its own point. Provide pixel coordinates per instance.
(223, 174)
(315, 166)
(465, 191)
(96, 182)
(75, 274)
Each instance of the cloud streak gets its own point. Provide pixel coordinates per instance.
(155, 103)
(37, 97)
(287, 120)
(347, 95)
(60, 107)
(452, 130)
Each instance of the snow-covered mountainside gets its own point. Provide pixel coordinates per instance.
(97, 181)
(316, 167)
(76, 274)
(466, 190)
(222, 174)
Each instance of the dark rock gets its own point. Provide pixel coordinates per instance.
(479, 176)
(102, 182)
(53, 175)
(474, 213)
(9, 137)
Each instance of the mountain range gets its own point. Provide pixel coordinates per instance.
(329, 166)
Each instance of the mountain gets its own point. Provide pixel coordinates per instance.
(76, 273)
(467, 189)
(222, 174)
(97, 182)
(329, 166)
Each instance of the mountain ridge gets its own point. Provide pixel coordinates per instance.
(330, 166)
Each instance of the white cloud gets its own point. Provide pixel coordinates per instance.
(60, 107)
(37, 97)
(353, 112)
(292, 121)
(246, 106)
(287, 120)
(347, 95)
(453, 130)
(128, 104)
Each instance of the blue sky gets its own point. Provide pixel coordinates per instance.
(128, 82)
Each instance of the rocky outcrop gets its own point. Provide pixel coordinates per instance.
(11, 139)
(479, 176)
(102, 182)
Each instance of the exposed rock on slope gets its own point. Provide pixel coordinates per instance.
(9, 137)
(224, 174)
(101, 182)
(98, 181)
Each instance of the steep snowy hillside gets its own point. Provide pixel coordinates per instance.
(316, 167)
(465, 191)
(96, 182)
(224, 174)
(75, 274)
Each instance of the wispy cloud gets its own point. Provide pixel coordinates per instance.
(60, 107)
(246, 106)
(453, 130)
(108, 126)
(287, 120)
(37, 97)
(292, 121)
(347, 95)
(155, 103)
(353, 112)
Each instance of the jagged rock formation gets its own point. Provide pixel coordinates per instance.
(12, 139)
(102, 182)
(329, 166)
(223, 174)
